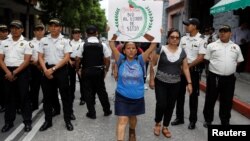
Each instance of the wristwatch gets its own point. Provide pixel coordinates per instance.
(54, 68)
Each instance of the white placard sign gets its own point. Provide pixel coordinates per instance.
(135, 20)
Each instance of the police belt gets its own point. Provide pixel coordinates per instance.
(52, 65)
(97, 67)
(12, 68)
(221, 76)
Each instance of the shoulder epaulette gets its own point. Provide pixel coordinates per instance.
(202, 36)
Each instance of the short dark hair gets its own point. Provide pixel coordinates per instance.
(91, 29)
(136, 45)
(173, 30)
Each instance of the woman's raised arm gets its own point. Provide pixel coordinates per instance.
(146, 54)
(115, 51)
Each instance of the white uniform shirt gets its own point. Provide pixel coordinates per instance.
(36, 44)
(75, 45)
(54, 49)
(193, 46)
(1, 41)
(106, 50)
(14, 51)
(223, 57)
(239, 34)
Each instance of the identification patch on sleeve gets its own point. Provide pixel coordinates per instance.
(31, 46)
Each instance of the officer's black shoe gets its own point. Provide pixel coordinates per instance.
(91, 116)
(191, 125)
(108, 113)
(19, 111)
(69, 126)
(82, 102)
(177, 122)
(7, 127)
(72, 117)
(205, 124)
(27, 127)
(55, 113)
(45, 126)
(2, 109)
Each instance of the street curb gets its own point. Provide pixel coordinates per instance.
(238, 105)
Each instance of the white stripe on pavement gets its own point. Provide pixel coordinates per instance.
(15, 133)
(21, 126)
(34, 130)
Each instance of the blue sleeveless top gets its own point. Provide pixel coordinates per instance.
(130, 77)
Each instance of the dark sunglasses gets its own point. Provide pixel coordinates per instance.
(174, 37)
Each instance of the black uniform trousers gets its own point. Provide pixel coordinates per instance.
(55, 100)
(72, 84)
(166, 95)
(82, 98)
(93, 81)
(35, 83)
(221, 87)
(193, 98)
(20, 85)
(2, 97)
(60, 80)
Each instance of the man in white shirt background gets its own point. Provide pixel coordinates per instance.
(241, 36)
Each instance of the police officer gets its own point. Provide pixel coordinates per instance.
(53, 55)
(194, 46)
(3, 32)
(223, 57)
(3, 36)
(15, 54)
(36, 73)
(75, 44)
(35, 68)
(95, 64)
(241, 36)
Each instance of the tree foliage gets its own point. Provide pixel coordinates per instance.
(75, 13)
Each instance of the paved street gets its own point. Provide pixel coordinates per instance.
(103, 128)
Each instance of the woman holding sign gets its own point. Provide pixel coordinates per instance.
(129, 99)
(172, 60)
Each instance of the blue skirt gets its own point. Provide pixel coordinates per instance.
(128, 107)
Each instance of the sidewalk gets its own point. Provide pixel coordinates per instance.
(241, 101)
